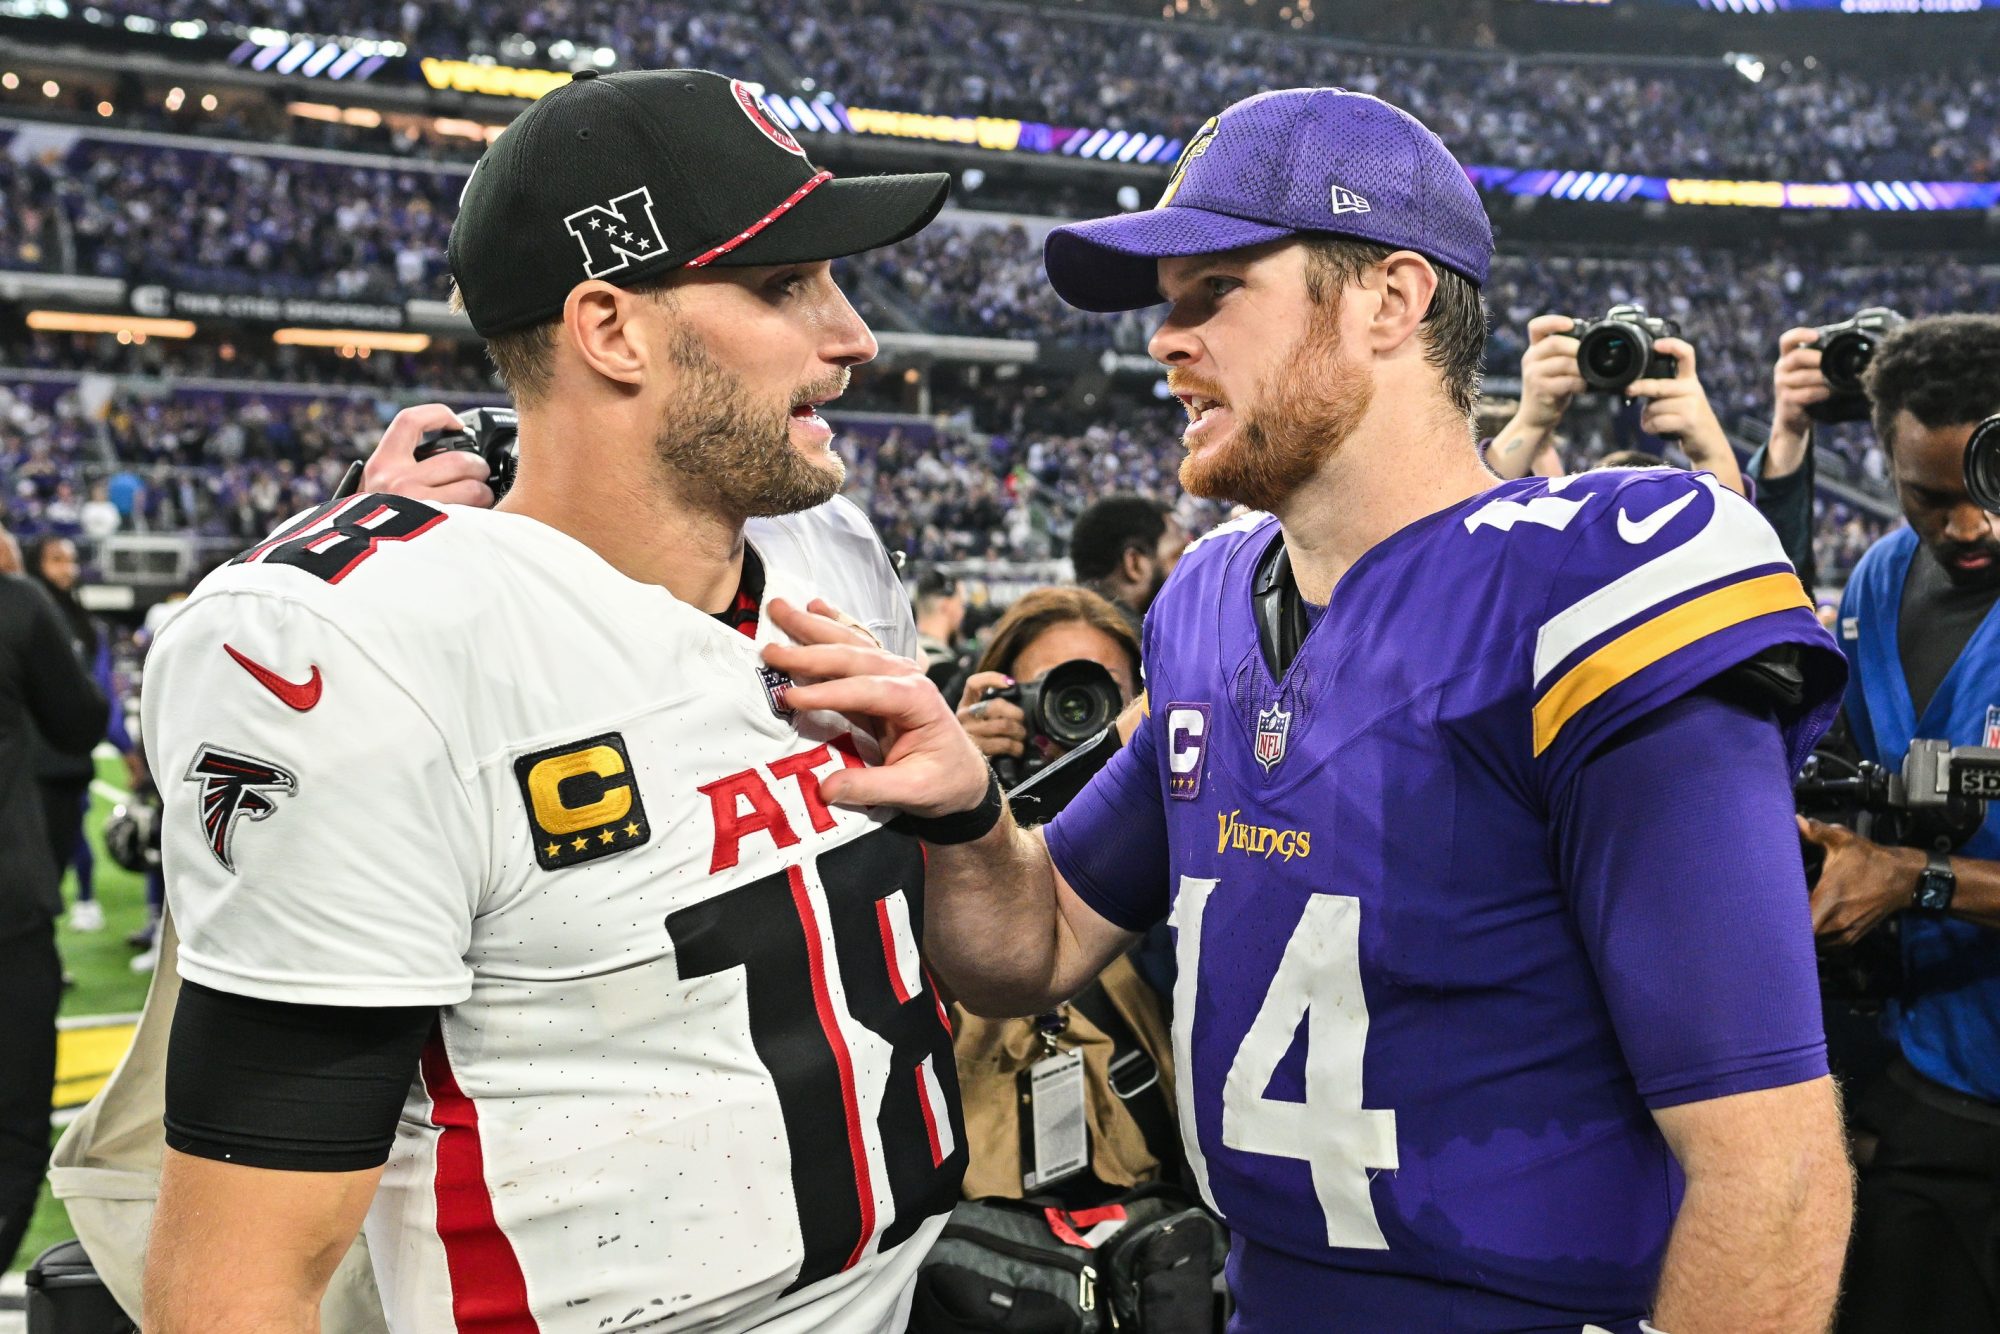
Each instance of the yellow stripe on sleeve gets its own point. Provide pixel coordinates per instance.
(1644, 645)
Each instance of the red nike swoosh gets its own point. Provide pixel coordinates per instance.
(300, 695)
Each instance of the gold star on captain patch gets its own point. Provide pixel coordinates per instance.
(607, 836)
(632, 831)
(581, 843)
(552, 849)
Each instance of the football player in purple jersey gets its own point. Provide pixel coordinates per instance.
(1468, 800)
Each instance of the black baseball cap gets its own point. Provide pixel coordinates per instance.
(629, 176)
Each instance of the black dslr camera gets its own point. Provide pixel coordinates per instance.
(492, 433)
(1845, 351)
(1617, 350)
(1936, 802)
(1065, 706)
(1982, 465)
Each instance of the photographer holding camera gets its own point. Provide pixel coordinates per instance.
(1918, 627)
(1050, 628)
(1629, 353)
(1817, 379)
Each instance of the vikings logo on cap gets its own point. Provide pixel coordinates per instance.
(760, 116)
(1198, 145)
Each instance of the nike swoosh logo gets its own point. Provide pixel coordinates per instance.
(1648, 528)
(300, 695)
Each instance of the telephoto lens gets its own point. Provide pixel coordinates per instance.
(1982, 465)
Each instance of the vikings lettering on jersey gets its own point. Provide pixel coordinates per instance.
(1398, 1060)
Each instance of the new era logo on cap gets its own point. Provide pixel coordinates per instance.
(618, 234)
(1346, 201)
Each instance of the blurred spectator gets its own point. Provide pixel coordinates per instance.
(1123, 547)
(65, 777)
(940, 609)
(45, 695)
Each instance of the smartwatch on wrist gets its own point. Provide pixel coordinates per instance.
(1936, 884)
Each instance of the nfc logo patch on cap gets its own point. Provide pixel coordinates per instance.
(583, 801)
(617, 234)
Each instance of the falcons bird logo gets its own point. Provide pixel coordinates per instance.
(233, 786)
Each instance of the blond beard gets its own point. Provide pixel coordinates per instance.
(731, 454)
(1304, 412)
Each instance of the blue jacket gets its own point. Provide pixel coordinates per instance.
(1948, 1021)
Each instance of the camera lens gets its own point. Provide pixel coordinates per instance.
(1077, 713)
(1079, 700)
(1844, 358)
(1982, 465)
(1613, 355)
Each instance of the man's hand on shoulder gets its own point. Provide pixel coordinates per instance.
(451, 478)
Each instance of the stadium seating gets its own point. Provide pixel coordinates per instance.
(1673, 117)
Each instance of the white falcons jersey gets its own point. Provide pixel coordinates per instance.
(688, 1072)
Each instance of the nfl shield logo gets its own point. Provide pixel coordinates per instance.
(776, 683)
(1272, 726)
(1992, 726)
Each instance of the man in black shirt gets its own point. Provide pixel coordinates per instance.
(1917, 625)
(43, 684)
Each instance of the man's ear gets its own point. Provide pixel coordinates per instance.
(1132, 566)
(606, 326)
(1406, 283)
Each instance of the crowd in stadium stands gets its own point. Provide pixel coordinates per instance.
(230, 467)
(216, 467)
(1168, 78)
(1075, 69)
(987, 281)
(226, 222)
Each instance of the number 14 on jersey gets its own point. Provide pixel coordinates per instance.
(1317, 982)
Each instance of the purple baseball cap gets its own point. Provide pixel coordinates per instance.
(1271, 166)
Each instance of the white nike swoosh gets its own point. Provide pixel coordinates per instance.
(1648, 528)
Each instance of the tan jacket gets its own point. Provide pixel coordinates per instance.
(106, 1170)
(992, 1053)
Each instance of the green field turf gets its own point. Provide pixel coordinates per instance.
(101, 964)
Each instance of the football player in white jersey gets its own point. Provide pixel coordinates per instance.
(513, 925)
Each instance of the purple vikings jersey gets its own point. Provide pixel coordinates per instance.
(1420, 1036)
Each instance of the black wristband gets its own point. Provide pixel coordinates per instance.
(960, 826)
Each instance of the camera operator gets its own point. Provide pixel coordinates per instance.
(1676, 408)
(1045, 628)
(1917, 624)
